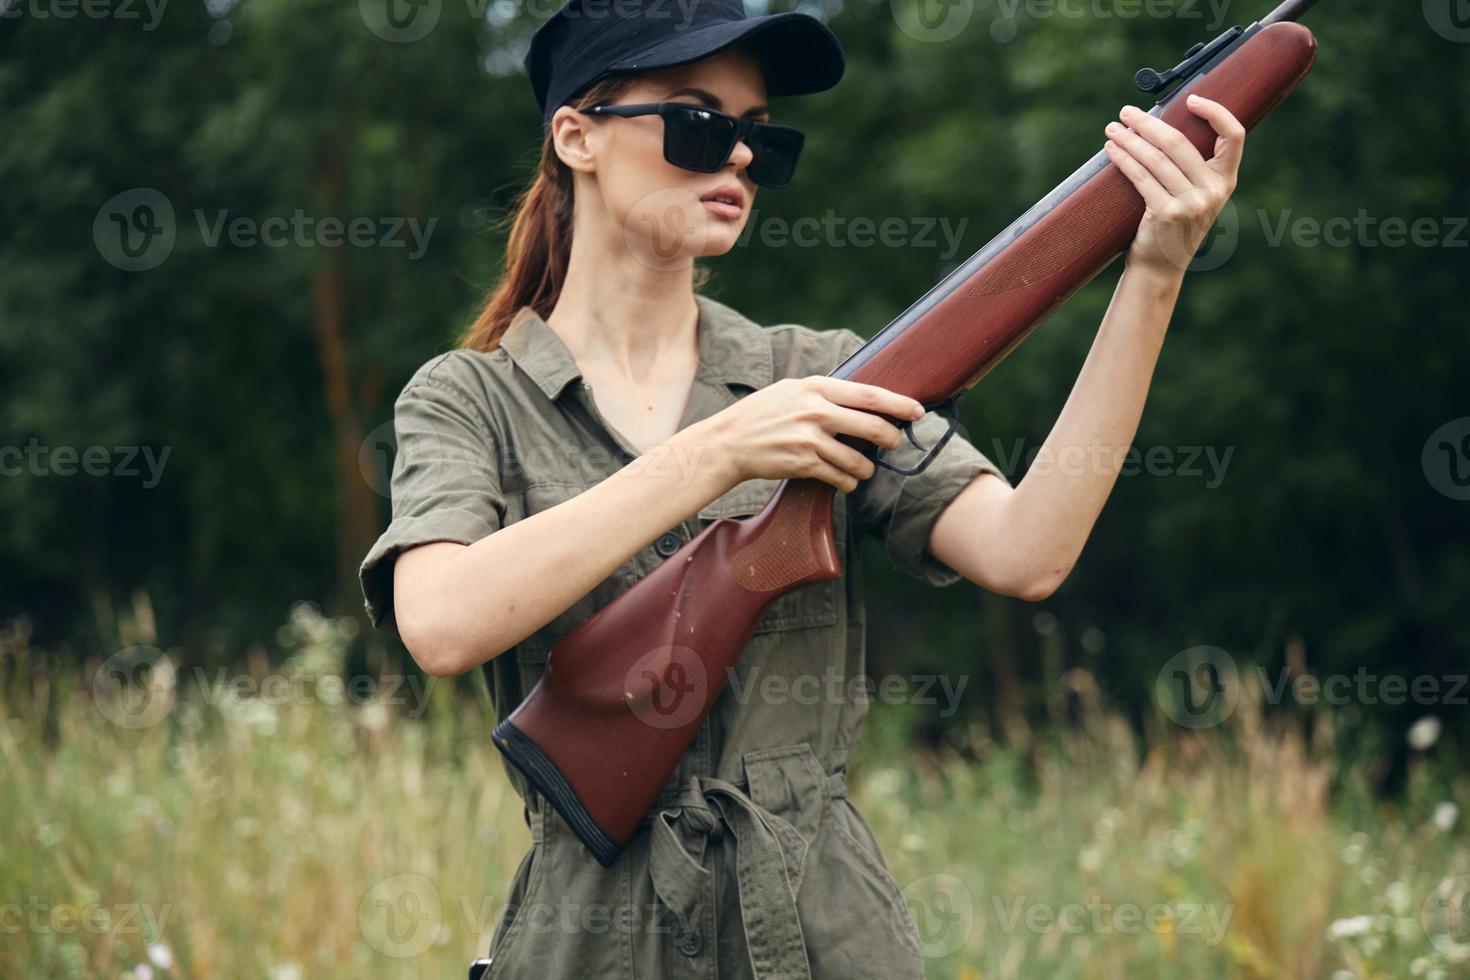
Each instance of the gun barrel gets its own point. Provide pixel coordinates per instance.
(1290, 10)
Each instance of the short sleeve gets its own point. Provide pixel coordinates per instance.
(445, 484)
(901, 510)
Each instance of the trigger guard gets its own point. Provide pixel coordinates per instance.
(908, 429)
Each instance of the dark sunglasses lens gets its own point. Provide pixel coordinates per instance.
(774, 152)
(697, 139)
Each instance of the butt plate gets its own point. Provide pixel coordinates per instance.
(552, 784)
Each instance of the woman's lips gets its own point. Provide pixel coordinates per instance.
(722, 210)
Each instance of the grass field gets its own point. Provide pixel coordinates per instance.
(272, 825)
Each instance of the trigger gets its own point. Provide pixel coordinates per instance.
(930, 452)
(908, 430)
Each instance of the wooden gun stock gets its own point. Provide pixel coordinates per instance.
(623, 694)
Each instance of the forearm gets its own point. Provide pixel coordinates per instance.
(1024, 541)
(1042, 525)
(458, 606)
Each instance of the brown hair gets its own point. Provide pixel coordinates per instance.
(540, 242)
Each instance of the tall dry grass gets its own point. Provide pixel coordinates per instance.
(180, 824)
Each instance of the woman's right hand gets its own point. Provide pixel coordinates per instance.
(789, 429)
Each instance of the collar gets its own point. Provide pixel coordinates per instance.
(732, 349)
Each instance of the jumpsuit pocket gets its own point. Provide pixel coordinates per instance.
(861, 926)
(574, 919)
(851, 825)
(854, 920)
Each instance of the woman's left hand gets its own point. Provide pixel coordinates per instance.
(1183, 191)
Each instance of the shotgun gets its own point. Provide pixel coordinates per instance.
(623, 694)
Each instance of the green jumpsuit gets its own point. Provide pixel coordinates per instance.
(753, 864)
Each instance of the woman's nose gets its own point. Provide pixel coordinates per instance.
(741, 155)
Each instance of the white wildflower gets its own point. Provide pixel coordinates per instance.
(259, 716)
(1358, 925)
(1446, 815)
(1424, 733)
(161, 955)
(1399, 897)
(373, 716)
(885, 782)
(1181, 848)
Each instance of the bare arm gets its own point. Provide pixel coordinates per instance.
(1024, 540)
(458, 606)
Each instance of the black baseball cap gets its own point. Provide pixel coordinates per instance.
(587, 40)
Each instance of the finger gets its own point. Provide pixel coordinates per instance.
(1174, 144)
(1152, 191)
(1230, 133)
(1165, 170)
(864, 425)
(821, 469)
(845, 458)
(870, 398)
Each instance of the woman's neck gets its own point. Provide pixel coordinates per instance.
(625, 315)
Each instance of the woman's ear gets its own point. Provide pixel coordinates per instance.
(571, 133)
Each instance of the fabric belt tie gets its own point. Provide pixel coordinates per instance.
(770, 856)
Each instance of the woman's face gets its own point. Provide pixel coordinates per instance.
(657, 209)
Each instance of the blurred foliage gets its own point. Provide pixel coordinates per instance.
(268, 373)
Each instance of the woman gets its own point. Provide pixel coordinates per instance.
(601, 412)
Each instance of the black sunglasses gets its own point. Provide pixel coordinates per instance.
(701, 139)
